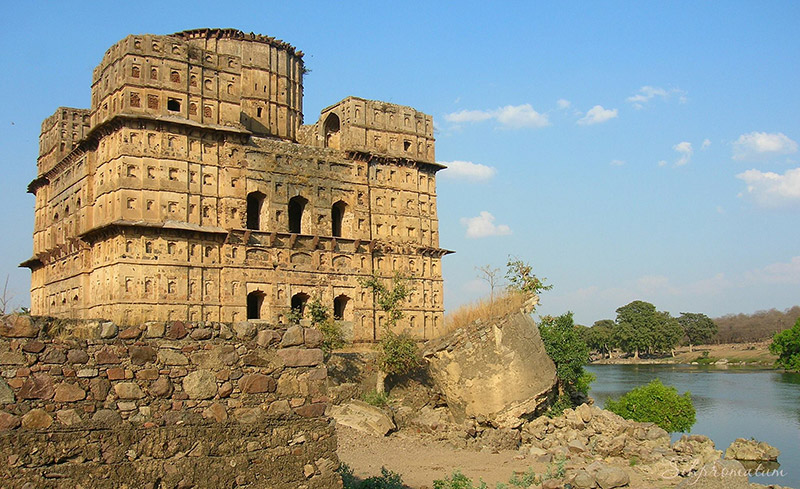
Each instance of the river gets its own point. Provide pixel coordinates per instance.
(732, 402)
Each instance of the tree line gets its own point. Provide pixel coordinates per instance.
(641, 328)
(759, 326)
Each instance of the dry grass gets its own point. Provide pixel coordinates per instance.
(504, 303)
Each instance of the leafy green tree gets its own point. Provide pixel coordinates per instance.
(698, 327)
(332, 334)
(656, 403)
(398, 354)
(786, 345)
(667, 333)
(636, 323)
(600, 337)
(569, 352)
(521, 278)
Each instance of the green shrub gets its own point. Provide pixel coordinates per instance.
(460, 481)
(375, 398)
(387, 480)
(656, 403)
(786, 345)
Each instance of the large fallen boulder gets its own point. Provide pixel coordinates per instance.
(363, 417)
(752, 450)
(495, 370)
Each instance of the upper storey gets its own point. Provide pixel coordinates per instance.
(60, 134)
(370, 126)
(210, 76)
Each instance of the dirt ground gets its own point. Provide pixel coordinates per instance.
(421, 461)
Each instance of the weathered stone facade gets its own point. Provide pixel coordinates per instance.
(191, 191)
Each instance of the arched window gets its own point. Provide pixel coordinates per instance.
(337, 218)
(299, 301)
(296, 207)
(255, 200)
(340, 309)
(331, 130)
(255, 300)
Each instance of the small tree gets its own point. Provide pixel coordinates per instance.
(698, 327)
(569, 352)
(786, 345)
(521, 278)
(656, 403)
(492, 276)
(398, 353)
(332, 335)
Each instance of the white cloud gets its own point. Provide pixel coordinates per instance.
(597, 114)
(684, 149)
(769, 189)
(787, 273)
(468, 116)
(706, 144)
(617, 162)
(467, 170)
(761, 145)
(662, 163)
(521, 116)
(511, 116)
(564, 104)
(483, 226)
(647, 93)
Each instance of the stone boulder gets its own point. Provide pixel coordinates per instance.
(752, 450)
(363, 417)
(498, 370)
(720, 474)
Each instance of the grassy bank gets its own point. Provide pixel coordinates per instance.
(747, 354)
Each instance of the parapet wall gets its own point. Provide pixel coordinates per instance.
(164, 404)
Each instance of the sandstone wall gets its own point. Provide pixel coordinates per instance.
(85, 404)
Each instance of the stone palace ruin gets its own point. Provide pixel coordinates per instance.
(192, 191)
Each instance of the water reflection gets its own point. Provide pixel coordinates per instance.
(731, 403)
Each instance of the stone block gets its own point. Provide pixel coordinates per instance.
(311, 410)
(6, 393)
(77, 356)
(216, 411)
(66, 392)
(33, 347)
(200, 384)
(108, 417)
(176, 330)
(18, 326)
(257, 384)
(141, 355)
(298, 357)
(267, 337)
(201, 333)
(68, 417)
(171, 357)
(12, 358)
(128, 390)
(106, 357)
(130, 333)
(115, 373)
(87, 372)
(313, 337)
(53, 355)
(108, 330)
(37, 386)
(293, 336)
(155, 330)
(99, 389)
(244, 330)
(37, 419)
(8, 421)
(161, 387)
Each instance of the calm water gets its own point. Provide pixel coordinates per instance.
(730, 403)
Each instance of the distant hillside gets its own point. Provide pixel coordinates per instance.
(761, 325)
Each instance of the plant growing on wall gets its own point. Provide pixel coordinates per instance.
(521, 278)
(332, 334)
(398, 354)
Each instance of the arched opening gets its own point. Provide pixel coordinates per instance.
(299, 302)
(255, 300)
(331, 131)
(337, 218)
(255, 200)
(296, 207)
(340, 309)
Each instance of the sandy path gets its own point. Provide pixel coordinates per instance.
(420, 462)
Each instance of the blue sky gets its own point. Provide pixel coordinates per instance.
(628, 150)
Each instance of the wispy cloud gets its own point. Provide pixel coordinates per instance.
(684, 149)
(772, 190)
(510, 116)
(596, 115)
(483, 226)
(762, 145)
(617, 162)
(467, 170)
(564, 104)
(648, 93)
(706, 144)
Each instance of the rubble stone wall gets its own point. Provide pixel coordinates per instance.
(163, 404)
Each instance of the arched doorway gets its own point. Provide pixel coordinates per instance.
(331, 131)
(255, 300)
(299, 302)
(337, 218)
(296, 207)
(255, 200)
(340, 309)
